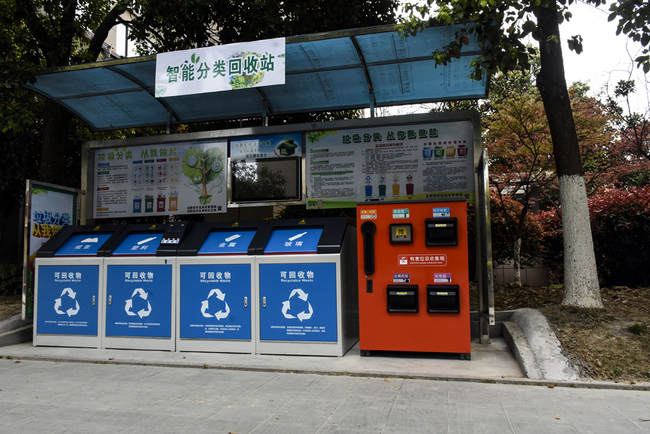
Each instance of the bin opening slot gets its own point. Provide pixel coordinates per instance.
(140, 243)
(221, 242)
(294, 240)
(441, 231)
(443, 299)
(83, 244)
(403, 298)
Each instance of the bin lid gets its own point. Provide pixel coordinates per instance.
(296, 240)
(83, 244)
(80, 240)
(140, 244)
(227, 242)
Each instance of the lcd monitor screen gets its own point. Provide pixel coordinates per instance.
(266, 180)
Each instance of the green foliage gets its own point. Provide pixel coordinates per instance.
(639, 329)
(501, 28)
(11, 278)
(503, 212)
(170, 25)
(620, 225)
(633, 21)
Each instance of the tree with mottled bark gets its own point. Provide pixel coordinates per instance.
(501, 28)
(522, 164)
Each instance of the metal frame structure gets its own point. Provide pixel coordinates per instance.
(342, 70)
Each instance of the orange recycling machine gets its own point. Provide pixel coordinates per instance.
(413, 277)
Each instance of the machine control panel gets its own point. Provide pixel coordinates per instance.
(401, 233)
(413, 264)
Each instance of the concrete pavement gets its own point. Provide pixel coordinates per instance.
(491, 362)
(64, 397)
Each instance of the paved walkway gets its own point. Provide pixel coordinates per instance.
(492, 361)
(65, 397)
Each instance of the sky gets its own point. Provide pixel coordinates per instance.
(606, 58)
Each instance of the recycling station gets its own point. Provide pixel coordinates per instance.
(308, 302)
(69, 286)
(413, 277)
(216, 288)
(395, 280)
(139, 287)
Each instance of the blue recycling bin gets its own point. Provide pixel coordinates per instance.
(307, 287)
(139, 287)
(68, 291)
(214, 296)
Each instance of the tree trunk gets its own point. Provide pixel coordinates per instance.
(56, 121)
(581, 288)
(516, 261)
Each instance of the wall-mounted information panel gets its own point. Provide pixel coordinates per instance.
(419, 161)
(151, 180)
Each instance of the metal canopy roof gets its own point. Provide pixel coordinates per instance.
(355, 69)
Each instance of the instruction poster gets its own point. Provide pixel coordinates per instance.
(180, 178)
(425, 161)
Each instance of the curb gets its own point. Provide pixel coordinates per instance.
(505, 381)
(514, 337)
(535, 346)
(15, 331)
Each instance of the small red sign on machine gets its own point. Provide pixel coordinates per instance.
(424, 260)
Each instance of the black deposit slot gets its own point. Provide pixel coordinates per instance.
(442, 231)
(443, 299)
(403, 298)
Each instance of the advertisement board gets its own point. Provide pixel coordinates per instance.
(422, 161)
(162, 179)
(48, 208)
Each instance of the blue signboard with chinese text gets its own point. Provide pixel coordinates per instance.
(300, 302)
(67, 300)
(83, 244)
(145, 243)
(227, 242)
(215, 301)
(139, 300)
(299, 240)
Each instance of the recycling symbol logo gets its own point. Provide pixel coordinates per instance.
(69, 300)
(142, 297)
(220, 300)
(304, 314)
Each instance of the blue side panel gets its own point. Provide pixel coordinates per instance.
(300, 302)
(141, 300)
(212, 301)
(65, 299)
(293, 241)
(83, 245)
